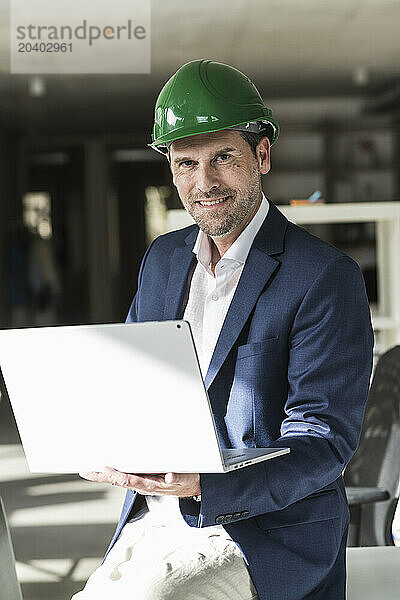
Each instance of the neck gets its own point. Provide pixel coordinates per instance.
(215, 255)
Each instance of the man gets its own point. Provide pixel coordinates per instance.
(282, 328)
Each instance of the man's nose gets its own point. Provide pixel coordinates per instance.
(207, 179)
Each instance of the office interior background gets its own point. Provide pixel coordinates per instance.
(82, 195)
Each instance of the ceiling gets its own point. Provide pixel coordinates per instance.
(290, 48)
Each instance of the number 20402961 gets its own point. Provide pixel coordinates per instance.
(44, 47)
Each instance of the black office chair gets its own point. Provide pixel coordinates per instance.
(373, 475)
(9, 585)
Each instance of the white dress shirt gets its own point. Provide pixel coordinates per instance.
(209, 300)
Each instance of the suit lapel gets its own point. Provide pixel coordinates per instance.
(182, 263)
(258, 269)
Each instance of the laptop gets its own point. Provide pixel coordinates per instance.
(129, 396)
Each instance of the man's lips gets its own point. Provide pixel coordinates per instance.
(212, 202)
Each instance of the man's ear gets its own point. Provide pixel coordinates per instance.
(263, 155)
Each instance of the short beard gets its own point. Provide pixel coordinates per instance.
(239, 213)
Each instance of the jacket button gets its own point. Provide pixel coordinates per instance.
(236, 515)
(244, 513)
(228, 518)
(220, 519)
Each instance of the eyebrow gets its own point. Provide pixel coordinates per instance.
(221, 151)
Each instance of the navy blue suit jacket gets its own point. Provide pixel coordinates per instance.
(291, 368)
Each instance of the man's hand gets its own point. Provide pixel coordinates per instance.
(171, 484)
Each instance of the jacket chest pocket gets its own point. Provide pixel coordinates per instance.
(257, 348)
(251, 364)
(257, 364)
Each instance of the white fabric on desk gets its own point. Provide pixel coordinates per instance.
(155, 560)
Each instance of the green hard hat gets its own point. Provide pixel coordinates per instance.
(205, 96)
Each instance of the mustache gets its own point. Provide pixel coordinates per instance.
(212, 195)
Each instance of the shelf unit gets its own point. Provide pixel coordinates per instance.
(344, 161)
(386, 216)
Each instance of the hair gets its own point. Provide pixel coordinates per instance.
(253, 139)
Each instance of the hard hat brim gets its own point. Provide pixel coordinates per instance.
(162, 145)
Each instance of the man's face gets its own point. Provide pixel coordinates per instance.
(218, 179)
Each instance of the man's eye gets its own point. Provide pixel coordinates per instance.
(223, 157)
(186, 163)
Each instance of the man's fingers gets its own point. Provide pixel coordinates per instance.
(177, 478)
(97, 476)
(171, 478)
(146, 483)
(117, 477)
(108, 475)
(155, 483)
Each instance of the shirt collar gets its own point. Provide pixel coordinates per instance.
(240, 248)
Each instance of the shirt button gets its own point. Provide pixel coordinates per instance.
(214, 296)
